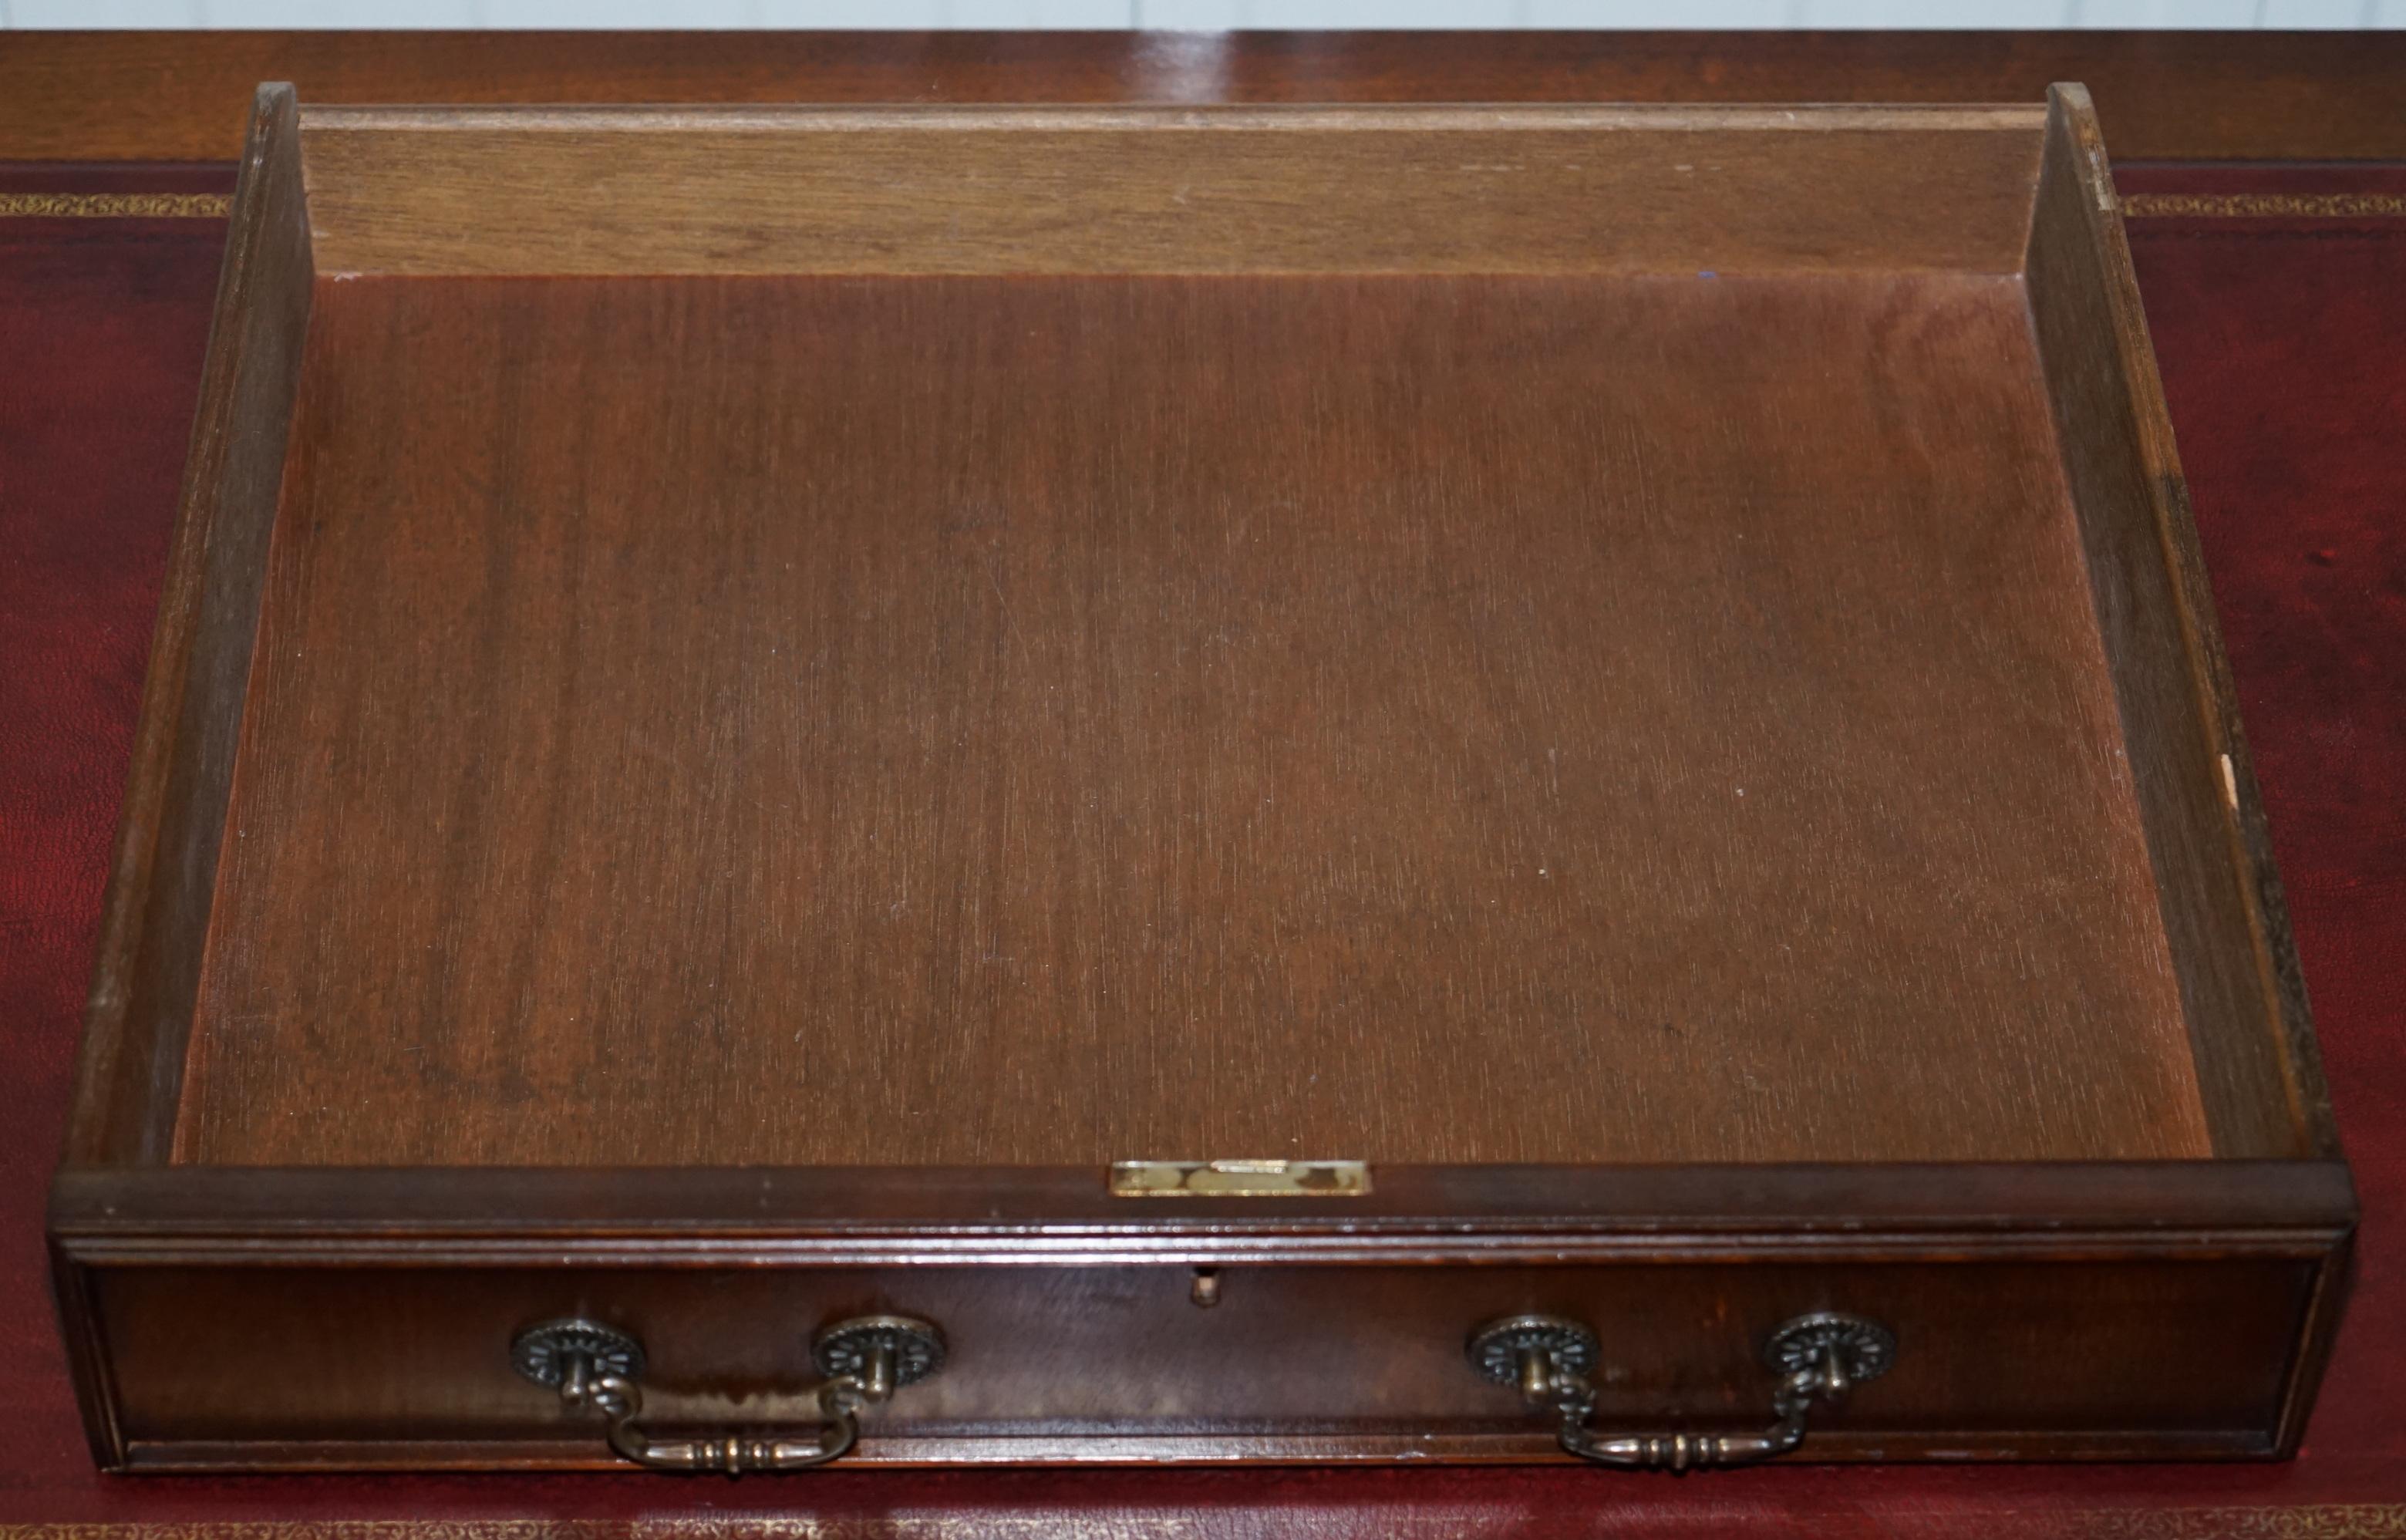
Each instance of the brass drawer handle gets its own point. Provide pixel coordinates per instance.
(1818, 1357)
(597, 1368)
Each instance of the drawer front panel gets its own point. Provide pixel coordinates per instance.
(410, 1366)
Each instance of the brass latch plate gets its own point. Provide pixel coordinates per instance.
(1239, 1179)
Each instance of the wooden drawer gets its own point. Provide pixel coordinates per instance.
(1085, 1341)
(1185, 757)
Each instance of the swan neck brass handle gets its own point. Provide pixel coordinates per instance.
(598, 1371)
(1818, 1357)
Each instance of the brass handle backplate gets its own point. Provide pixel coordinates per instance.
(600, 1369)
(1818, 1357)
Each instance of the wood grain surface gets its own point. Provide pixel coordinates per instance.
(1129, 190)
(2163, 95)
(2219, 897)
(172, 825)
(813, 721)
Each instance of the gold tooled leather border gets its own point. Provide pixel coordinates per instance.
(1045, 1526)
(2263, 205)
(113, 205)
(2326, 1522)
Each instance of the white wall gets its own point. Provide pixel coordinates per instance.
(1204, 15)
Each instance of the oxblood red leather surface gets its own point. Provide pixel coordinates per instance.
(2283, 341)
